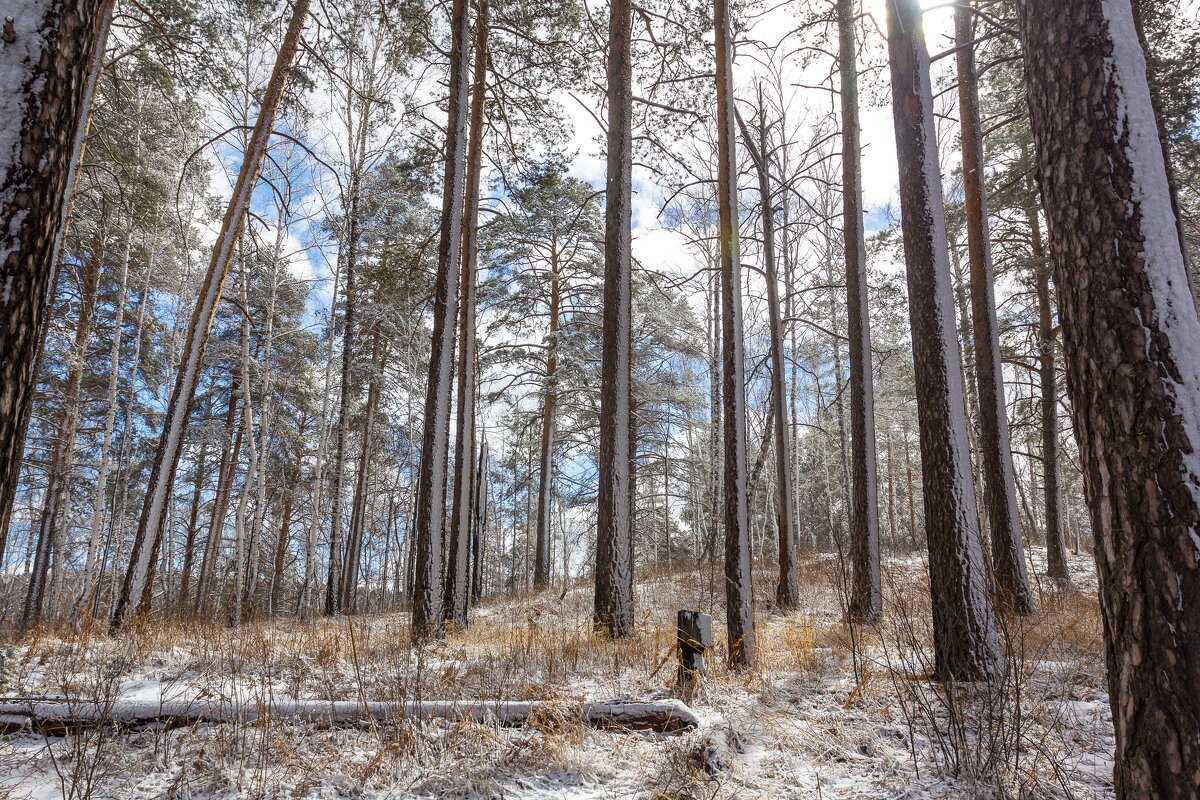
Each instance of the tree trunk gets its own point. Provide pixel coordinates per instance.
(100, 493)
(787, 592)
(966, 642)
(170, 443)
(716, 425)
(358, 509)
(63, 718)
(1156, 102)
(541, 564)
(285, 527)
(431, 480)
(189, 545)
(225, 474)
(334, 582)
(241, 549)
(866, 596)
(305, 601)
(267, 411)
(739, 599)
(479, 523)
(48, 90)
(1133, 374)
(51, 533)
(908, 480)
(613, 603)
(1056, 546)
(458, 588)
(1000, 492)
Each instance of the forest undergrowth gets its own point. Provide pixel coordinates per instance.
(831, 711)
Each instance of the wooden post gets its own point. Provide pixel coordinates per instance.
(694, 636)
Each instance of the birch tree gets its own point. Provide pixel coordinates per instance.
(135, 586)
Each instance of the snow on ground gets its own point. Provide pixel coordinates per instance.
(830, 712)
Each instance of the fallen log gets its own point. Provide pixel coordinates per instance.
(59, 717)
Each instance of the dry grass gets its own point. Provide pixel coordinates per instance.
(830, 711)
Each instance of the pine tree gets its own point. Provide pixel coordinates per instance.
(1133, 375)
(739, 600)
(966, 641)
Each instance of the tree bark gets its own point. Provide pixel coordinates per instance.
(170, 443)
(739, 598)
(458, 588)
(966, 642)
(48, 94)
(1000, 492)
(613, 602)
(1129, 329)
(431, 480)
(866, 596)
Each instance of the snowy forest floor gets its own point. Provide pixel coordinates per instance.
(830, 712)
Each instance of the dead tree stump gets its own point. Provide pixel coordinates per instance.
(694, 637)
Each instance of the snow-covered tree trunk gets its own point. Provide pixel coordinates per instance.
(787, 592)
(458, 586)
(1000, 489)
(170, 443)
(42, 118)
(966, 642)
(428, 597)
(739, 599)
(1130, 334)
(613, 604)
(866, 596)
